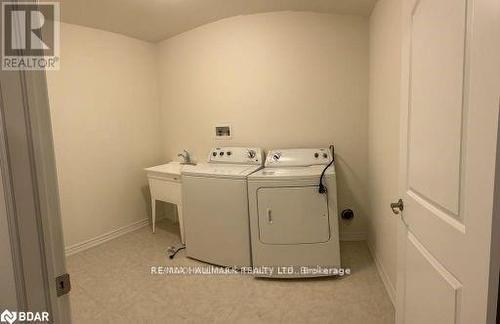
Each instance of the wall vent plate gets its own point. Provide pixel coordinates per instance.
(223, 131)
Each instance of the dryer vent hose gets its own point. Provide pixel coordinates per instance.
(322, 188)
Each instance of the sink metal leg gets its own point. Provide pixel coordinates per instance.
(181, 222)
(153, 213)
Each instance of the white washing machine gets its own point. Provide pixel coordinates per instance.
(294, 227)
(215, 202)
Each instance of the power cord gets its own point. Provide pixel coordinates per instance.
(322, 188)
(172, 251)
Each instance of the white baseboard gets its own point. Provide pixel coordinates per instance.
(352, 236)
(391, 291)
(78, 247)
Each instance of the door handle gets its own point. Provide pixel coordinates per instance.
(269, 216)
(397, 207)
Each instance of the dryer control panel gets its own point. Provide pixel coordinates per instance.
(236, 155)
(298, 157)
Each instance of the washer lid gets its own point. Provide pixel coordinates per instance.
(235, 171)
(294, 173)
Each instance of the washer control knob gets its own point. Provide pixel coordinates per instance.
(221, 153)
(214, 153)
(251, 154)
(325, 155)
(229, 153)
(276, 156)
(316, 155)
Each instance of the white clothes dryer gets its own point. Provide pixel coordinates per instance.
(294, 227)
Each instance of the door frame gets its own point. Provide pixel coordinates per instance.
(493, 315)
(31, 193)
(30, 190)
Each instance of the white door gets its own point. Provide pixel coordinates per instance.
(450, 109)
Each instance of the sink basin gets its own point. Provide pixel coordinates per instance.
(170, 168)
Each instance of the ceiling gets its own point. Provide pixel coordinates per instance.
(155, 20)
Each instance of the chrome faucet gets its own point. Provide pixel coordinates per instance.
(186, 157)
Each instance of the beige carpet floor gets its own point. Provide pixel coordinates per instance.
(112, 283)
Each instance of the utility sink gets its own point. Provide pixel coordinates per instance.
(165, 184)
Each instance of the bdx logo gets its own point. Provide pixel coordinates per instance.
(30, 36)
(10, 316)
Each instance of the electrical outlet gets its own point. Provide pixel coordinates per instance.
(223, 131)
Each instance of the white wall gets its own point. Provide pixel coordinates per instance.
(282, 80)
(383, 144)
(105, 107)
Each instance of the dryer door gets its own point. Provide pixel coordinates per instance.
(293, 215)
